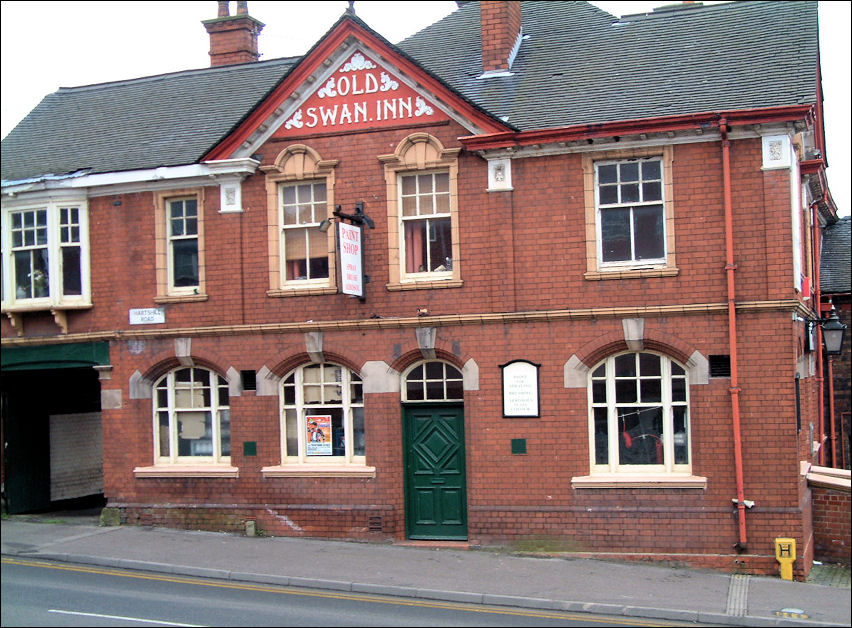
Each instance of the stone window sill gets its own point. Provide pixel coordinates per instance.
(187, 471)
(425, 285)
(639, 481)
(301, 292)
(626, 273)
(318, 471)
(180, 298)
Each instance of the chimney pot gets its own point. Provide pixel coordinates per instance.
(233, 38)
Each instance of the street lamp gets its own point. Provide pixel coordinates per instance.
(832, 338)
(832, 333)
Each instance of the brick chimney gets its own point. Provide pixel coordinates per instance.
(501, 34)
(233, 38)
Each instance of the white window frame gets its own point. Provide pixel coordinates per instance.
(425, 217)
(320, 212)
(303, 409)
(612, 467)
(215, 382)
(56, 299)
(631, 206)
(173, 239)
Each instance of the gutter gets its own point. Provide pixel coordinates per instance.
(663, 124)
(149, 177)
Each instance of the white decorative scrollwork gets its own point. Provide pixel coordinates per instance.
(295, 121)
(327, 89)
(422, 108)
(358, 62)
(388, 84)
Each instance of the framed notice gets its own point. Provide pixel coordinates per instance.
(318, 435)
(520, 389)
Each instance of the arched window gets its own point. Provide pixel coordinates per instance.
(192, 418)
(322, 416)
(639, 415)
(433, 381)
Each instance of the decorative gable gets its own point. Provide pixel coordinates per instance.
(360, 94)
(352, 80)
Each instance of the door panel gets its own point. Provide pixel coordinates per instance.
(436, 499)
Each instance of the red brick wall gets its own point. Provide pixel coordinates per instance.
(521, 251)
(501, 25)
(832, 526)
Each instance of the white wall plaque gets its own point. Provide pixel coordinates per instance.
(147, 316)
(520, 389)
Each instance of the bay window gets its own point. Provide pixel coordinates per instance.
(45, 256)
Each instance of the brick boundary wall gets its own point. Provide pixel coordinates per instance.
(832, 525)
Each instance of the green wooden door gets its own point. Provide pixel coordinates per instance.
(436, 500)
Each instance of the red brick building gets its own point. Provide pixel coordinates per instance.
(534, 273)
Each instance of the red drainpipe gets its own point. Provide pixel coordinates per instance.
(818, 302)
(734, 389)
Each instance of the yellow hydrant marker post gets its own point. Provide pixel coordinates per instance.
(785, 553)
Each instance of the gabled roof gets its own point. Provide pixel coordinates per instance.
(164, 120)
(581, 65)
(578, 65)
(835, 264)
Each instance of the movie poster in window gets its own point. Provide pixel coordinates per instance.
(318, 434)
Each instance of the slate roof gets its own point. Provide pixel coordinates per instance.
(164, 120)
(836, 260)
(578, 65)
(583, 65)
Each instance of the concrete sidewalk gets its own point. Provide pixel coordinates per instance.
(449, 574)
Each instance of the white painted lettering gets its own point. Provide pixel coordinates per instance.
(312, 117)
(389, 108)
(361, 112)
(371, 83)
(345, 115)
(328, 115)
(355, 90)
(404, 104)
(343, 85)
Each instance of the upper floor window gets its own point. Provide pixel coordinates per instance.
(423, 214)
(426, 223)
(300, 195)
(628, 199)
(192, 418)
(322, 416)
(183, 243)
(46, 256)
(639, 415)
(303, 207)
(179, 242)
(631, 218)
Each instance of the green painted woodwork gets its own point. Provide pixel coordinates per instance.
(435, 482)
